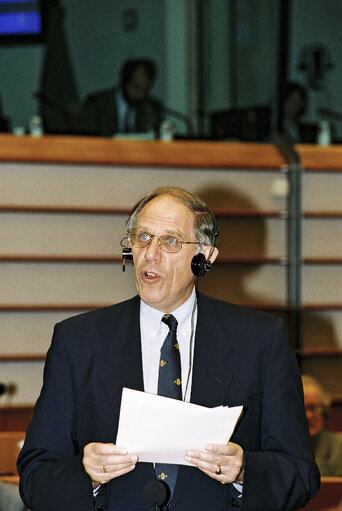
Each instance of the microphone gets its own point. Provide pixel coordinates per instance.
(10, 388)
(126, 254)
(156, 493)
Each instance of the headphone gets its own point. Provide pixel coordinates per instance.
(199, 264)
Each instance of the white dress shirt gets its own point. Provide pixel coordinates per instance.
(124, 111)
(153, 332)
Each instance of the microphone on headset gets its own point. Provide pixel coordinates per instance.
(126, 254)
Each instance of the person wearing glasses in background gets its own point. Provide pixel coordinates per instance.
(226, 355)
(327, 445)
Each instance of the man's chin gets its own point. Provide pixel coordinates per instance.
(151, 299)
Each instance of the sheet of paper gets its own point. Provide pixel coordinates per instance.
(161, 429)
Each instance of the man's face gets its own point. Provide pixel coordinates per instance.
(165, 280)
(137, 88)
(313, 409)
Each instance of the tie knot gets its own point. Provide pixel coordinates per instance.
(170, 321)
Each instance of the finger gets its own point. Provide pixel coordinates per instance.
(113, 464)
(205, 461)
(205, 456)
(227, 450)
(104, 473)
(103, 478)
(107, 454)
(211, 463)
(100, 449)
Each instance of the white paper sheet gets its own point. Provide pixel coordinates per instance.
(160, 429)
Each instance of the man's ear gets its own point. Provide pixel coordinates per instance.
(210, 253)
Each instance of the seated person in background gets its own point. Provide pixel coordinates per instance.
(9, 498)
(127, 108)
(253, 123)
(293, 101)
(327, 444)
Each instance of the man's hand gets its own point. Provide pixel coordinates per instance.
(225, 463)
(103, 462)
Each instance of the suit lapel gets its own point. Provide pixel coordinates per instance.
(211, 375)
(122, 363)
(123, 367)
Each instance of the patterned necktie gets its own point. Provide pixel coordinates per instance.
(169, 385)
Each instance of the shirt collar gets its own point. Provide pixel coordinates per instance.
(151, 317)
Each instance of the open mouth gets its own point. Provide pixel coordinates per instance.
(150, 275)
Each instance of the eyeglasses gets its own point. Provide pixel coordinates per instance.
(167, 242)
(313, 408)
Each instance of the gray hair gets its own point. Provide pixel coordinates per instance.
(324, 396)
(205, 228)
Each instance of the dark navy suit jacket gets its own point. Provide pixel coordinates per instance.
(98, 115)
(241, 357)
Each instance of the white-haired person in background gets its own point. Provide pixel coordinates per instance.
(327, 445)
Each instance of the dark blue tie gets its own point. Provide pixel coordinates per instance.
(169, 385)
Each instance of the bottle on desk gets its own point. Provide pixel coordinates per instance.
(36, 126)
(324, 133)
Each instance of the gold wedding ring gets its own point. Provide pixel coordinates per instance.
(218, 471)
(104, 468)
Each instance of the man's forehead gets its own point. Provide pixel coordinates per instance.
(169, 211)
(312, 392)
(167, 207)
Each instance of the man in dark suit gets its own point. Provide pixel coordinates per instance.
(229, 356)
(127, 108)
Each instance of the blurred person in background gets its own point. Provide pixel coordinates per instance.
(327, 445)
(125, 108)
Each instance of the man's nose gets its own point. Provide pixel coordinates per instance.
(309, 413)
(153, 249)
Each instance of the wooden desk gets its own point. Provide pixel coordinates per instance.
(329, 497)
(10, 444)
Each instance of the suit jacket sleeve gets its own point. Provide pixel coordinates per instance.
(50, 463)
(281, 472)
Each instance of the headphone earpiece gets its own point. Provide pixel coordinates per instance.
(127, 254)
(200, 265)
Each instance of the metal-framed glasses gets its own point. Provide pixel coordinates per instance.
(167, 242)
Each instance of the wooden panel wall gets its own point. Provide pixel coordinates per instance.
(63, 206)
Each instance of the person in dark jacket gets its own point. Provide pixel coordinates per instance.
(227, 355)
